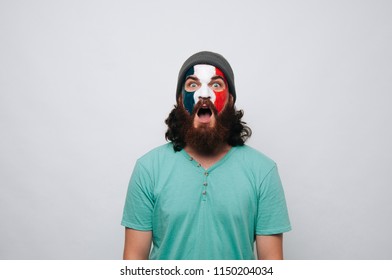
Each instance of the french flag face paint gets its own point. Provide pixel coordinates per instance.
(205, 81)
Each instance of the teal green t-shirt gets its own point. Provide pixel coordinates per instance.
(195, 213)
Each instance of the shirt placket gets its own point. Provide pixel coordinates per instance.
(204, 180)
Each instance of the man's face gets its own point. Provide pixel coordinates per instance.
(204, 82)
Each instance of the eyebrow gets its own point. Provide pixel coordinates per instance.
(191, 78)
(194, 78)
(217, 77)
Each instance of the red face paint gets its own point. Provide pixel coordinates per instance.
(221, 97)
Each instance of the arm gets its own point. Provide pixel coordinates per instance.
(269, 247)
(137, 244)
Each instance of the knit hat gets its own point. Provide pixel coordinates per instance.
(209, 58)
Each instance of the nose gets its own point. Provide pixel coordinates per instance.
(204, 92)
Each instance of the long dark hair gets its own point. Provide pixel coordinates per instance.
(239, 132)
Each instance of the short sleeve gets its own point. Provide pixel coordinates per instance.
(139, 203)
(272, 214)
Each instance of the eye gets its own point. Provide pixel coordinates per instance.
(191, 85)
(217, 85)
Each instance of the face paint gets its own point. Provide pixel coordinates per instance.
(188, 96)
(205, 81)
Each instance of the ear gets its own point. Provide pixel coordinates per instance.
(231, 99)
(179, 99)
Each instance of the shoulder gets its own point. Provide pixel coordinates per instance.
(252, 161)
(158, 161)
(159, 154)
(252, 156)
(163, 149)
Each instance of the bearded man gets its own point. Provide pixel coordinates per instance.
(205, 194)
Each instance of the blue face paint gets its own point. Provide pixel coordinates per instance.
(187, 96)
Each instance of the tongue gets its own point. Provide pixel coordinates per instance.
(204, 117)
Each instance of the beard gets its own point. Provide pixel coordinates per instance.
(204, 138)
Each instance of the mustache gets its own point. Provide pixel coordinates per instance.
(202, 103)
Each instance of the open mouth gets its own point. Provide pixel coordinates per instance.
(204, 115)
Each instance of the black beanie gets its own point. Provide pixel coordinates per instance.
(209, 58)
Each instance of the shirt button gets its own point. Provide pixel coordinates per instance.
(199, 165)
(205, 184)
(204, 192)
(191, 158)
(206, 173)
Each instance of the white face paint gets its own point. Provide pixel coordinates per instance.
(205, 81)
(204, 73)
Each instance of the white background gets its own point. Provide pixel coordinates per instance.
(85, 87)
